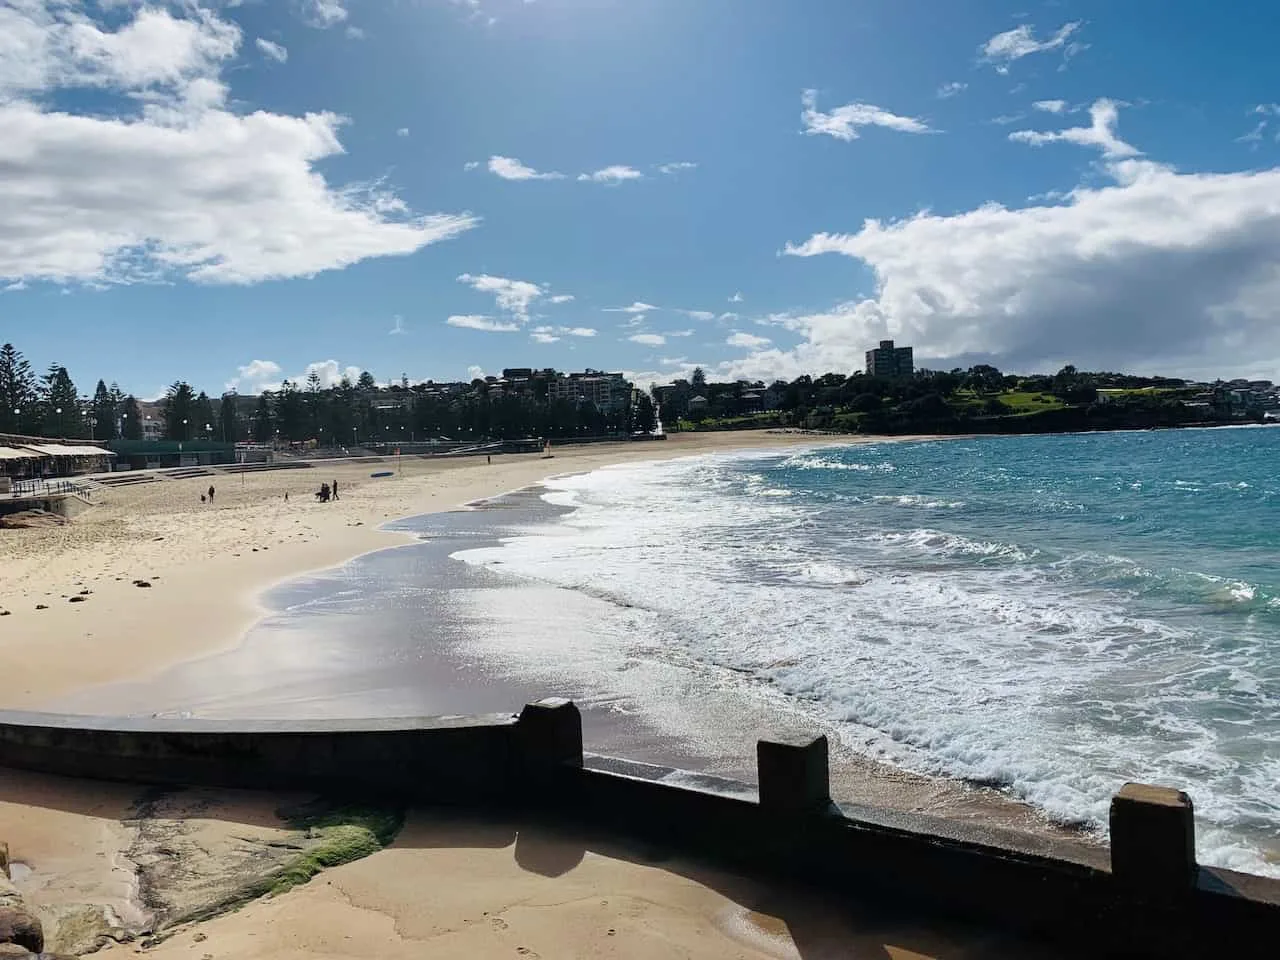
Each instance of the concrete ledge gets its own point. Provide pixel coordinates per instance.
(789, 828)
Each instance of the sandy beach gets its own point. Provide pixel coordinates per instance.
(207, 565)
(456, 888)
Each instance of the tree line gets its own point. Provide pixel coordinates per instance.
(348, 413)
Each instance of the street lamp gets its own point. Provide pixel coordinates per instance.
(58, 411)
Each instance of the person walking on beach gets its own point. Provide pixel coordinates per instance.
(211, 493)
(335, 490)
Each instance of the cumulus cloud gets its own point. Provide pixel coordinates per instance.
(648, 339)
(561, 298)
(948, 90)
(1100, 133)
(614, 174)
(1004, 48)
(273, 51)
(323, 14)
(248, 379)
(702, 315)
(475, 372)
(578, 331)
(748, 340)
(543, 335)
(164, 179)
(473, 321)
(509, 168)
(1050, 106)
(512, 296)
(673, 168)
(258, 376)
(1155, 271)
(843, 122)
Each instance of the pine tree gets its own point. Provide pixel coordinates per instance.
(228, 428)
(202, 422)
(132, 414)
(17, 391)
(366, 383)
(104, 413)
(60, 404)
(262, 420)
(179, 412)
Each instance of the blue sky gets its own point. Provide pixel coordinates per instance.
(234, 193)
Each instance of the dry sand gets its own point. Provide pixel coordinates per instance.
(445, 888)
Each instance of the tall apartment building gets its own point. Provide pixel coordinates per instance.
(608, 391)
(887, 360)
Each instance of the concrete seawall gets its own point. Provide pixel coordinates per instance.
(1149, 899)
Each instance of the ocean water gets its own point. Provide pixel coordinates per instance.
(1050, 616)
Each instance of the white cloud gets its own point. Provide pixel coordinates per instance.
(951, 89)
(251, 376)
(266, 375)
(323, 14)
(1007, 118)
(747, 340)
(540, 336)
(15, 286)
(329, 372)
(648, 339)
(636, 307)
(176, 184)
(737, 297)
(1050, 106)
(843, 122)
(471, 165)
(473, 321)
(559, 332)
(354, 33)
(1100, 133)
(509, 168)
(561, 298)
(402, 132)
(512, 296)
(614, 174)
(673, 168)
(680, 333)
(397, 326)
(475, 372)
(1156, 271)
(272, 50)
(1268, 109)
(702, 315)
(1004, 48)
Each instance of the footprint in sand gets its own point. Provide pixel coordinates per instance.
(498, 923)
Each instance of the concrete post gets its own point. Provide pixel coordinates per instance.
(1153, 840)
(793, 776)
(549, 733)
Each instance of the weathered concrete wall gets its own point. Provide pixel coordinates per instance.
(440, 758)
(1151, 899)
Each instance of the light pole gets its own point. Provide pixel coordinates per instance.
(58, 411)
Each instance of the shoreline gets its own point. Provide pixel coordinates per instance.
(209, 567)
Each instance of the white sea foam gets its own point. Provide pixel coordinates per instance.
(949, 654)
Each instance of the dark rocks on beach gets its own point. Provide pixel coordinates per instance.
(18, 926)
(4, 613)
(42, 606)
(85, 593)
(142, 583)
(78, 598)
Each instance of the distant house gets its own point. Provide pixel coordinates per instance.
(698, 406)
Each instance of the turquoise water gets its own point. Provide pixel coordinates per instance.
(1051, 616)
